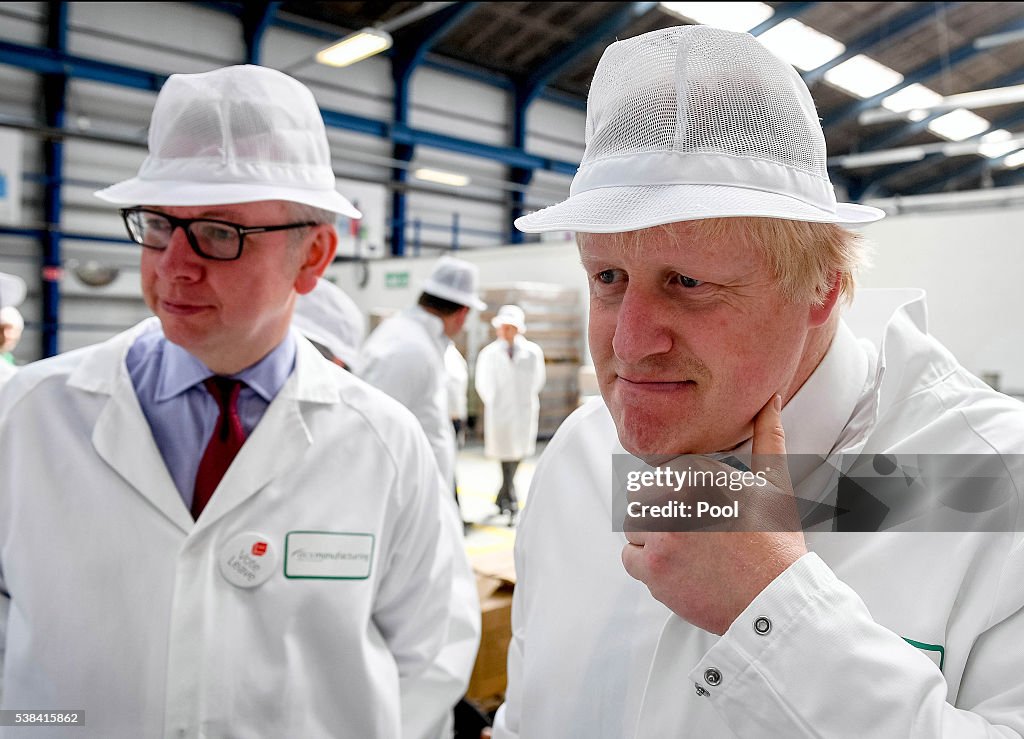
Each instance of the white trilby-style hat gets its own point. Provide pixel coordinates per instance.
(455, 280)
(234, 135)
(510, 315)
(12, 290)
(695, 122)
(328, 316)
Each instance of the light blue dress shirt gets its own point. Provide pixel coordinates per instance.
(181, 412)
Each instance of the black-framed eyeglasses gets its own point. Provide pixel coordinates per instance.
(209, 238)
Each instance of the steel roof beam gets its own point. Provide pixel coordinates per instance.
(783, 12)
(924, 72)
(917, 14)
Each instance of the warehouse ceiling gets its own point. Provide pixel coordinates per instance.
(557, 45)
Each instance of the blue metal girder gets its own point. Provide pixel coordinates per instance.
(41, 60)
(924, 72)
(783, 12)
(918, 13)
(55, 86)
(607, 27)
(405, 59)
(526, 91)
(256, 18)
(975, 169)
(48, 61)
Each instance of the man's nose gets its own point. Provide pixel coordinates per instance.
(178, 259)
(642, 326)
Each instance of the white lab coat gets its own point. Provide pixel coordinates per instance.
(510, 389)
(7, 371)
(458, 382)
(595, 655)
(404, 357)
(113, 601)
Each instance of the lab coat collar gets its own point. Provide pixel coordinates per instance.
(179, 371)
(121, 435)
(875, 352)
(433, 325)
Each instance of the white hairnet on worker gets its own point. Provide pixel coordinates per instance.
(329, 317)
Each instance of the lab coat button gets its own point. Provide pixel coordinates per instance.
(700, 691)
(712, 677)
(762, 625)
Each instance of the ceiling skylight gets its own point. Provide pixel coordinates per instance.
(739, 16)
(993, 143)
(910, 97)
(863, 76)
(959, 125)
(800, 45)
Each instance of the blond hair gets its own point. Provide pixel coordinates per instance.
(804, 257)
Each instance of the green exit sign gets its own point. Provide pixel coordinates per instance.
(396, 279)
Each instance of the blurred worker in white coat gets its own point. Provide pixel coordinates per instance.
(332, 322)
(206, 529)
(509, 376)
(12, 292)
(404, 355)
(719, 266)
(457, 371)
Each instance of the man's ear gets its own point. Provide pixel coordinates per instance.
(820, 314)
(319, 254)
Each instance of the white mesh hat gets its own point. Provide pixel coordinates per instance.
(510, 315)
(234, 135)
(12, 290)
(328, 316)
(696, 122)
(455, 280)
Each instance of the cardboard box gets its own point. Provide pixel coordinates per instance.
(495, 580)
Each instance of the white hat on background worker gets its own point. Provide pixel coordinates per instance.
(328, 316)
(510, 315)
(211, 144)
(456, 280)
(12, 290)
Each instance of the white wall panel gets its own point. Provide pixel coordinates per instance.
(970, 264)
(457, 106)
(20, 98)
(555, 131)
(23, 23)
(159, 37)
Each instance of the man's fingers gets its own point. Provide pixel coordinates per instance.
(768, 446)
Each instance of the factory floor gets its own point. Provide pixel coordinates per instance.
(478, 479)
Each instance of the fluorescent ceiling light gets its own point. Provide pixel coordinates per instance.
(739, 16)
(1009, 142)
(441, 177)
(910, 99)
(996, 143)
(355, 47)
(976, 99)
(958, 125)
(800, 45)
(1014, 160)
(878, 158)
(862, 76)
(998, 39)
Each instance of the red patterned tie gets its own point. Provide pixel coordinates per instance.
(225, 441)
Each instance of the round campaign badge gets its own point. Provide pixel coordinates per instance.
(248, 560)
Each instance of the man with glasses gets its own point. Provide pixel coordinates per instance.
(227, 535)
